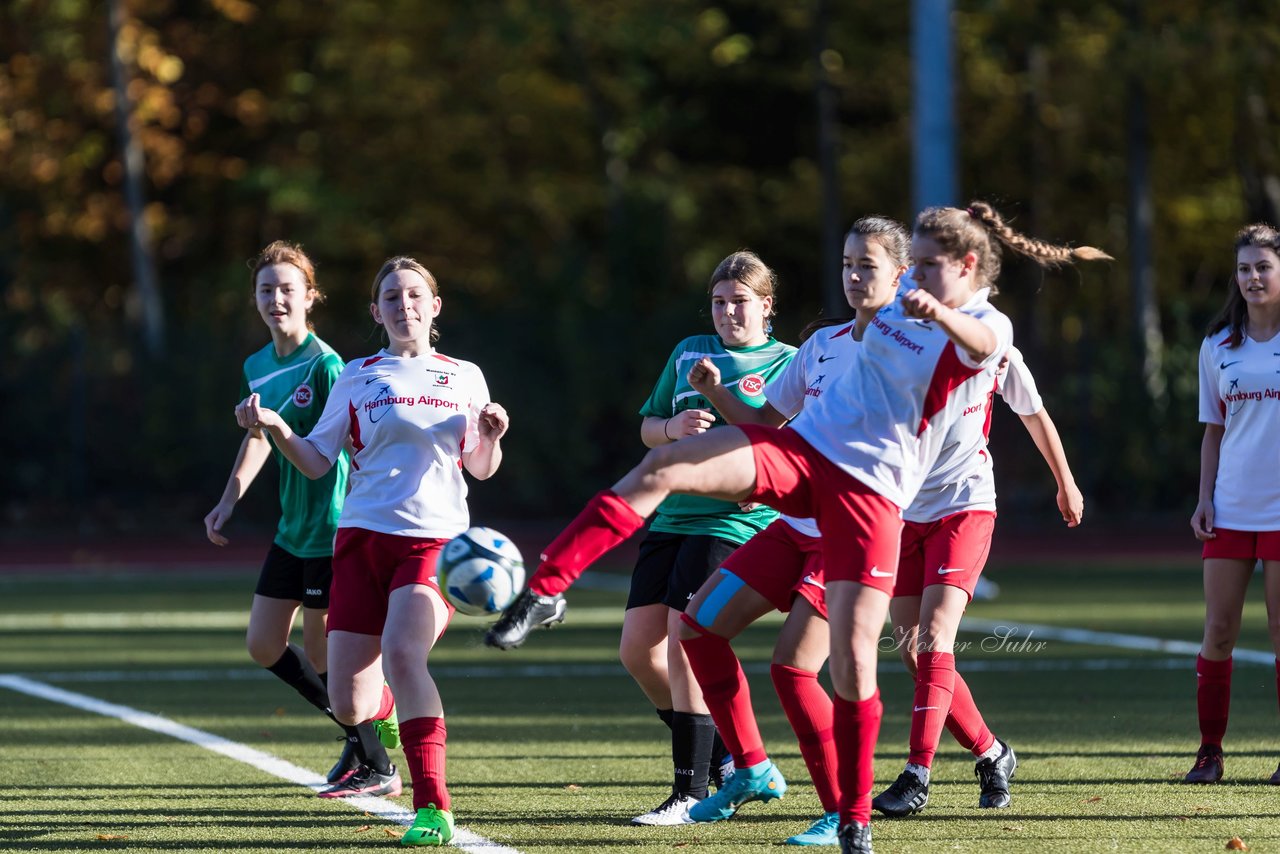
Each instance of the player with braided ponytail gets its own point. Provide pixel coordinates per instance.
(948, 527)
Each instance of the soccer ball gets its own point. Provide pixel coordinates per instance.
(480, 571)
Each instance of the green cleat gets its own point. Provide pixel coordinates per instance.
(432, 827)
(388, 730)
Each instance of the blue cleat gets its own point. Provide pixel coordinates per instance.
(821, 832)
(762, 782)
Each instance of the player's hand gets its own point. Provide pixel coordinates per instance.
(1071, 504)
(691, 422)
(1202, 521)
(213, 523)
(922, 304)
(251, 413)
(493, 422)
(704, 376)
(748, 506)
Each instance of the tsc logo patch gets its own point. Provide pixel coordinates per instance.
(302, 396)
(751, 384)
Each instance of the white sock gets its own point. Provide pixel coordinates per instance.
(921, 772)
(992, 752)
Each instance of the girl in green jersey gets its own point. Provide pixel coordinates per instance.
(295, 372)
(690, 536)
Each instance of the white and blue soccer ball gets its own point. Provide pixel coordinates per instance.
(480, 571)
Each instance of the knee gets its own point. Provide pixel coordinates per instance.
(1220, 632)
(264, 650)
(655, 467)
(401, 661)
(638, 659)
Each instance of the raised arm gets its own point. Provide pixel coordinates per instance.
(250, 414)
(704, 376)
(253, 452)
(1049, 443)
(483, 460)
(978, 341)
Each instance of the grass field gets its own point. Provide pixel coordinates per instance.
(553, 748)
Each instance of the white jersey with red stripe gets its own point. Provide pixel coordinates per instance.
(963, 477)
(817, 364)
(885, 419)
(410, 419)
(1240, 390)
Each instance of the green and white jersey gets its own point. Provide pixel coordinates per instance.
(744, 371)
(297, 387)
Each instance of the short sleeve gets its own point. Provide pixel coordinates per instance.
(329, 436)
(785, 392)
(661, 402)
(1018, 387)
(998, 323)
(326, 375)
(479, 399)
(1212, 408)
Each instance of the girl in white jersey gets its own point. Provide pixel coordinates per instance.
(781, 568)
(415, 419)
(295, 372)
(852, 459)
(1238, 515)
(945, 542)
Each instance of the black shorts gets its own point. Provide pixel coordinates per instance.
(303, 579)
(671, 567)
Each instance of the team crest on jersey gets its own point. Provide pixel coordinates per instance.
(302, 396)
(751, 385)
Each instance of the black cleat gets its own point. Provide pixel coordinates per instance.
(855, 839)
(1275, 778)
(347, 763)
(528, 612)
(994, 776)
(908, 794)
(1208, 767)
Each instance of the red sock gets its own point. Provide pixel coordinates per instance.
(935, 681)
(387, 705)
(728, 697)
(606, 521)
(965, 721)
(857, 725)
(423, 740)
(809, 709)
(1213, 698)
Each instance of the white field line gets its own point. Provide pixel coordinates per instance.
(265, 762)
(1001, 631)
(596, 671)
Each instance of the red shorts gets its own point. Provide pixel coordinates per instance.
(367, 566)
(860, 527)
(1243, 545)
(780, 563)
(951, 550)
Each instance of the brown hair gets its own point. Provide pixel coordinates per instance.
(1235, 313)
(981, 230)
(889, 233)
(284, 252)
(747, 268)
(404, 262)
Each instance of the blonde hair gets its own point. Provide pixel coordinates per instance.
(404, 262)
(980, 229)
